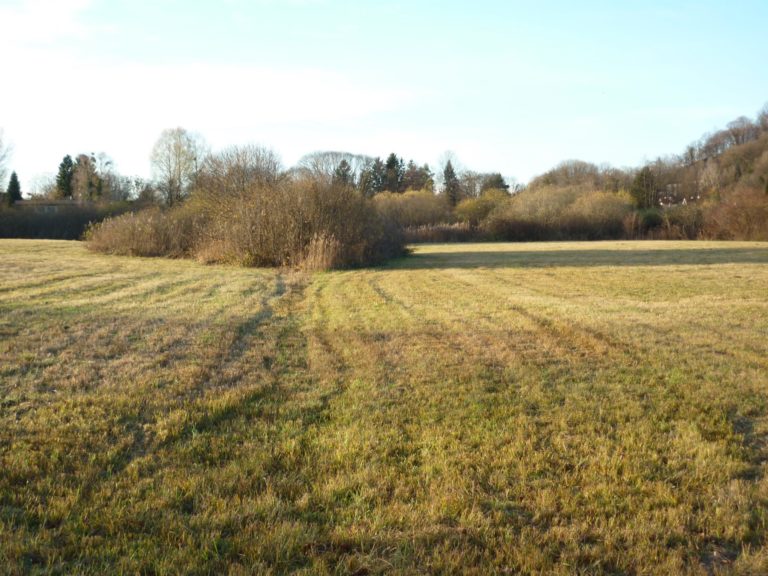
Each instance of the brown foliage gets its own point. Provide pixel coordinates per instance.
(444, 232)
(412, 208)
(243, 212)
(554, 213)
(741, 215)
(151, 232)
(475, 210)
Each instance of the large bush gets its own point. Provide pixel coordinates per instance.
(741, 215)
(475, 210)
(553, 213)
(151, 232)
(412, 208)
(444, 232)
(684, 222)
(596, 216)
(244, 212)
(301, 222)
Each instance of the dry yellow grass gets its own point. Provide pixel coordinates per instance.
(533, 408)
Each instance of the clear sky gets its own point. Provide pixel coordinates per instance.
(509, 86)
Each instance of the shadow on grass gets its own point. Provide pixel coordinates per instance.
(580, 258)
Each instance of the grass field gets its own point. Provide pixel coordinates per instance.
(566, 408)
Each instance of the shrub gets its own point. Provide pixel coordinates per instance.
(151, 232)
(286, 223)
(475, 210)
(741, 215)
(683, 222)
(531, 215)
(323, 252)
(650, 219)
(444, 232)
(67, 223)
(644, 224)
(596, 216)
(253, 221)
(550, 213)
(412, 208)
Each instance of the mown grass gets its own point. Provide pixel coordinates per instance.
(536, 408)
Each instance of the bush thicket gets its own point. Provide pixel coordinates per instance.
(65, 223)
(244, 211)
(475, 210)
(151, 232)
(555, 213)
(412, 208)
(336, 209)
(741, 215)
(444, 232)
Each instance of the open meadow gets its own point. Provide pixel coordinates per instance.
(542, 408)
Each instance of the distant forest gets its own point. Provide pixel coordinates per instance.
(336, 209)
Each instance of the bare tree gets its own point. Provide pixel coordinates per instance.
(5, 154)
(742, 130)
(712, 145)
(238, 168)
(471, 183)
(143, 191)
(690, 156)
(42, 186)
(710, 178)
(118, 188)
(609, 179)
(176, 160)
(762, 118)
(569, 173)
(324, 164)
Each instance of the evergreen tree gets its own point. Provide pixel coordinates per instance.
(13, 194)
(373, 178)
(451, 185)
(394, 171)
(494, 181)
(343, 174)
(64, 178)
(417, 177)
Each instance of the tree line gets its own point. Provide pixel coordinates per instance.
(716, 187)
(178, 157)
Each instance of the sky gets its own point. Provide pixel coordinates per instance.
(511, 86)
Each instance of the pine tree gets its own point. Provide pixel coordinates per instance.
(64, 177)
(394, 171)
(13, 193)
(343, 174)
(417, 177)
(494, 181)
(373, 178)
(451, 185)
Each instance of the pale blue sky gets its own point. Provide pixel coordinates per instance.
(514, 86)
